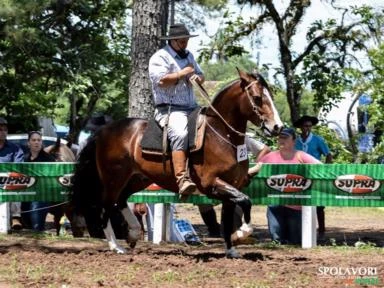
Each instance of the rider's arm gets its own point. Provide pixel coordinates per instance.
(174, 77)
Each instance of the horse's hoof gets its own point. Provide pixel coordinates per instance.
(232, 253)
(134, 235)
(132, 244)
(118, 250)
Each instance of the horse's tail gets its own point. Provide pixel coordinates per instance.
(87, 189)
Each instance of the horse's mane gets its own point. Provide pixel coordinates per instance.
(223, 90)
(255, 75)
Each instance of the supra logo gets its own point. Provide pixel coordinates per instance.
(66, 180)
(357, 184)
(288, 183)
(15, 181)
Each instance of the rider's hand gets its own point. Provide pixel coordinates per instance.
(187, 71)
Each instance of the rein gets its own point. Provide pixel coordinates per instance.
(204, 93)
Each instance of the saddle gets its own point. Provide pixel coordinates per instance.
(152, 143)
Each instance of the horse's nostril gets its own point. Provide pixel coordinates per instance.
(276, 127)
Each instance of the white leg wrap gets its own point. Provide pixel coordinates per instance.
(244, 231)
(111, 238)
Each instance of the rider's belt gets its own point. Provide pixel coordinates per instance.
(166, 105)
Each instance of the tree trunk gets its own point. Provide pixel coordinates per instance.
(147, 28)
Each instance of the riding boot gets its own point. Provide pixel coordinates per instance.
(179, 160)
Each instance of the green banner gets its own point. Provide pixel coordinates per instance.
(299, 184)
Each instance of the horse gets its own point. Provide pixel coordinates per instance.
(113, 166)
(64, 153)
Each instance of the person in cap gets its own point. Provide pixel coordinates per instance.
(10, 152)
(317, 147)
(170, 69)
(284, 221)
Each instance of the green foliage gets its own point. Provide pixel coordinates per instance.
(56, 50)
(226, 70)
(337, 147)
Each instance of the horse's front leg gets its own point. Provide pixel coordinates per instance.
(232, 197)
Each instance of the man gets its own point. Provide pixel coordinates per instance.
(316, 146)
(284, 221)
(10, 152)
(170, 69)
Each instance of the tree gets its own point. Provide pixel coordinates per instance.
(147, 27)
(50, 50)
(326, 55)
(149, 22)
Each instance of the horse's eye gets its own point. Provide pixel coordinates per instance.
(258, 100)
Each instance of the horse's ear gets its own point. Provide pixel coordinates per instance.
(58, 141)
(243, 75)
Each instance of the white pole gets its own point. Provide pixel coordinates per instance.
(159, 223)
(4, 218)
(308, 226)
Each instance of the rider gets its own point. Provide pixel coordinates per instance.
(170, 69)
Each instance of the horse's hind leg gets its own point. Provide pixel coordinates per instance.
(135, 230)
(232, 197)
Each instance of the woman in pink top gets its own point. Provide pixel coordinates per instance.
(284, 222)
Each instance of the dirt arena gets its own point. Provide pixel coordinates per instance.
(354, 244)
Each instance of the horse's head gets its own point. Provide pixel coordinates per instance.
(257, 103)
(61, 152)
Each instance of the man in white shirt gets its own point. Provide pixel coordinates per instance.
(170, 69)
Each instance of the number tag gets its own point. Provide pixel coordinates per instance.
(242, 153)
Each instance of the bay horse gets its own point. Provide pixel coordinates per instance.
(112, 166)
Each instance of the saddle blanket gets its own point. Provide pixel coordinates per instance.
(151, 143)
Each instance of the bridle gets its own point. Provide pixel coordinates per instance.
(254, 107)
(204, 93)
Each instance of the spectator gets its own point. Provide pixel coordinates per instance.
(10, 152)
(38, 210)
(208, 214)
(317, 147)
(284, 222)
(170, 69)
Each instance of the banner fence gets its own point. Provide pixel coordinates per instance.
(288, 184)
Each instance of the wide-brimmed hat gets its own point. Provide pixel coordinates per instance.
(177, 31)
(306, 118)
(3, 121)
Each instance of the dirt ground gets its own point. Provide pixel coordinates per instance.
(354, 244)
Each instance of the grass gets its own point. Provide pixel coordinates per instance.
(168, 277)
